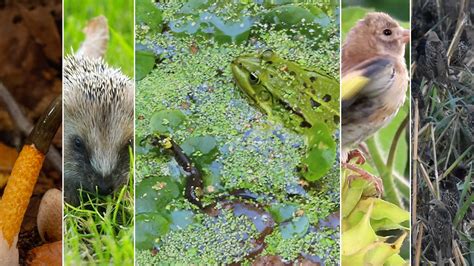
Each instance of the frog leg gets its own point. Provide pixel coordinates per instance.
(365, 175)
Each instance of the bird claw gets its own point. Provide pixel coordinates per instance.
(378, 184)
(356, 154)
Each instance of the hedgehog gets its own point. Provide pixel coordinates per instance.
(98, 119)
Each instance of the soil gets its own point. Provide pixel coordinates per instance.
(31, 70)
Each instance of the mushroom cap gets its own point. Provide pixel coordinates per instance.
(49, 217)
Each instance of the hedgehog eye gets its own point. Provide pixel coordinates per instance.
(253, 78)
(387, 32)
(78, 144)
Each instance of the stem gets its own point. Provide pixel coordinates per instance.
(389, 186)
(393, 147)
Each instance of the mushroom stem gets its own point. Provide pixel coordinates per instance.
(19, 189)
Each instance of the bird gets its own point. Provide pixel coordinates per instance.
(450, 196)
(374, 78)
(431, 59)
(440, 225)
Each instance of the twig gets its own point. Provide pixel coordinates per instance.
(18, 118)
(419, 237)
(458, 161)
(457, 36)
(451, 144)
(414, 165)
(427, 179)
(435, 161)
(25, 126)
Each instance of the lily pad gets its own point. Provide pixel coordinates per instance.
(148, 14)
(321, 153)
(202, 148)
(282, 212)
(145, 61)
(166, 121)
(296, 228)
(291, 17)
(154, 193)
(149, 226)
(180, 219)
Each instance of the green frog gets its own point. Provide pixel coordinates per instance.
(304, 100)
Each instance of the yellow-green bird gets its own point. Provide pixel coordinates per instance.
(374, 78)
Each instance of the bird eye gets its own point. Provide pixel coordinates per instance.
(78, 144)
(253, 78)
(387, 32)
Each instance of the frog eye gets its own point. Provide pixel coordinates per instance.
(267, 54)
(253, 78)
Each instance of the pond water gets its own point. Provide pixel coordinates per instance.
(257, 202)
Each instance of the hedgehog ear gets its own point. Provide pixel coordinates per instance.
(97, 38)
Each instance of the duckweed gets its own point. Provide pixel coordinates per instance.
(252, 152)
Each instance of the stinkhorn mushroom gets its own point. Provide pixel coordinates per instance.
(21, 183)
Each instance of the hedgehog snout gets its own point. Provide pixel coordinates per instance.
(105, 185)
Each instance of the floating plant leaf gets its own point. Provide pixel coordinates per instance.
(180, 219)
(321, 153)
(150, 226)
(200, 18)
(166, 121)
(149, 15)
(203, 148)
(297, 227)
(203, 144)
(145, 61)
(154, 193)
(293, 17)
(282, 212)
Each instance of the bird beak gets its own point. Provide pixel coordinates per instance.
(405, 36)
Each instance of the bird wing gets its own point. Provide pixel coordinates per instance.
(367, 79)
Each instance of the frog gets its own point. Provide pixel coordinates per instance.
(302, 99)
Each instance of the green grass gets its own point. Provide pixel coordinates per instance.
(100, 231)
(120, 16)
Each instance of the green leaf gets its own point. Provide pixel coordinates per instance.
(145, 61)
(180, 219)
(202, 148)
(352, 196)
(204, 144)
(282, 212)
(358, 237)
(395, 260)
(166, 121)
(154, 193)
(149, 226)
(296, 228)
(148, 14)
(321, 153)
(291, 17)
